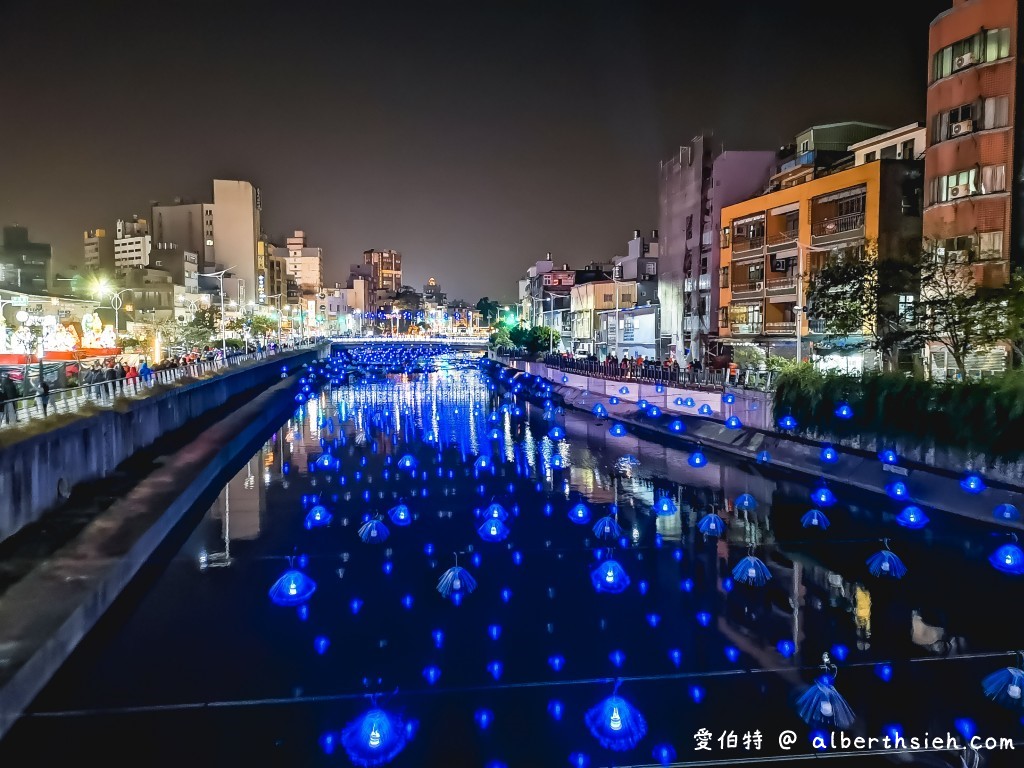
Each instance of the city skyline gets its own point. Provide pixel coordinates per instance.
(491, 165)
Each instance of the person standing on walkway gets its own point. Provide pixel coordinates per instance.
(43, 394)
(110, 377)
(10, 390)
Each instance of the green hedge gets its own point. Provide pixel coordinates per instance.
(981, 416)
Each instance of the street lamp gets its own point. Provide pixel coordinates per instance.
(220, 279)
(116, 304)
(278, 297)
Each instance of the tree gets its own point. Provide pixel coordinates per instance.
(958, 314)
(519, 336)
(182, 337)
(542, 338)
(856, 293)
(500, 339)
(207, 317)
(489, 310)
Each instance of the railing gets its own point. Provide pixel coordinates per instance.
(655, 374)
(838, 225)
(738, 288)
(750, 244)
(780, 285)
(783, 238)
(455, 338)
(784, 327)
(745, 329)
(106, 393)
(815, 325)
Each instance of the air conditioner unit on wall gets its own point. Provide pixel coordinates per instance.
(759, 286)
(960, 190)
(965, 60)
(962, 128)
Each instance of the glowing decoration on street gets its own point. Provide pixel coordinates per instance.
(292, 588)
(374, 532)
(823, 496)
(897, 490)
(1004, 687)
(1006, 512)
(815, 518)
(610, 577)
(829, 455)
(556, 433)
(677, 426)
(844, 411)
(764, 457)
(496, 512)
(912, 517)
(618, 430)
(623, 390)
(616, 724)
(751, 570)
(317, 517)
(705, 410)
(821, 704)
(1008, 558)
(654, 411)
(580, 514)
(407, 462)
(665, 506)
(733, 422)
(787, 423)
(888, 456)
(728, 398)
(400, 515)
(746, 502)
(599, 410)
(972, 483)
(456, 581)
(885, 564)
(697, 459)
(493, 530)
(375, 738)
(608, 529)
(711, 525)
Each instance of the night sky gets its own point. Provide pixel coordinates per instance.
(472, 137)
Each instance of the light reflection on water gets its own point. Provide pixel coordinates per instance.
(692, 645)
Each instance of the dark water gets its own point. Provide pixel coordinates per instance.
(201, 667)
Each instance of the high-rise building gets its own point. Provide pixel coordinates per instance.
(24, 265)
(236, 233)
(181, 264)
(973, 208)
(132, 244)
(305, 264)
(187, 225)
(694, 186)
(433, 296)
(387, 269)
(98, 249)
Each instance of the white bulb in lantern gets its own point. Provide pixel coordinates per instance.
(374, 737)
(1013, 691)
(494, 530)
(826, 708)
(457, 584)
(751, 573)
(615, 723)
(609, 576)
(885, 566)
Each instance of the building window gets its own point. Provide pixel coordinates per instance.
(906, 307)
(651, 268)
(705, 237)
(953, 186)
(609, 298)
(870, 157)
(995, 112)
(755, 273)
(723, 277)
(890, 152)
(991, 246)
(689, 226)
(726, 237)
(723, 316)
(805, 146)
(907, 150)
(990, 45)
(993, 179)
(997, 44)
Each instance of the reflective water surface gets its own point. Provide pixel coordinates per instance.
(580, 645)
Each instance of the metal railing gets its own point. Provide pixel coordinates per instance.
(748, 244)
(654, 374)
(107, 392)
(745, 329)
(838, 225)
(781, 285)
(783, 238)
(782, 327)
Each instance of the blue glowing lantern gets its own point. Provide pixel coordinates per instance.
(689, 402)
(400, 515)
(610, 577)
(375, 738)
(844, 411)
(616, 724)
(599, 410)
(292, 588)
(482, 462)
(665, 506)
(618, 430)
(912, 517)
(746, 502)
(623, 390)
(407, 462)
(897, 490)
(678, 401)
(705, 410)
(697, 458)
(613, 400)
(580, 514)
(822, 704)
(733, 422)
(829, 455)
(374, 532)
(885, 564)
(557, 462)
(711, 525)
(815, 518)
(972, 483)
(317, 517)
(608, 529)
(1006, 512)
(752, 570)
(728, 398)
(556, 433)
(1009, 558)
(456, 582)
(643, 405)
(493, 530)
(787, 423)
(764, 457)
(659, 388)
(823, 496)
(677, 426)
(888, 456)
(496, 512)
(653, 411)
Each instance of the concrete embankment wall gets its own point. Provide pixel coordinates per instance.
(937, 487)
(37, 470)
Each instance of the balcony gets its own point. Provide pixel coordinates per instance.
(838, 229)
(782, 240)
(747, 290)
(747, 246)
(781, 286)
(781, 328)
(745, 329)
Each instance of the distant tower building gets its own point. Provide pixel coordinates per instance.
(236, 229)
(387, 269)
(305, 264)
(433, 296)
(24, 265)
(132, 244)
(189, 226)
(98, 249)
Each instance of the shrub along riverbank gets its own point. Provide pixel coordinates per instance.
(983, 416)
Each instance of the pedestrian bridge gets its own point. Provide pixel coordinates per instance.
(464, 342)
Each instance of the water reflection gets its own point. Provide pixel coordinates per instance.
(534, 621)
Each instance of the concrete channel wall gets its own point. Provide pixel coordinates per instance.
(37, 472)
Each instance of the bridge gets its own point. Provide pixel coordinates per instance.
(461, 342)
